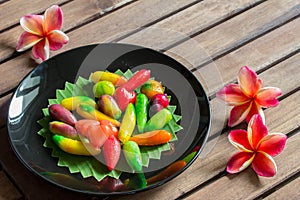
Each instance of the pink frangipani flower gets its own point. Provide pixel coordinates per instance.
(257, 147)
(248, 97)
(42, 32)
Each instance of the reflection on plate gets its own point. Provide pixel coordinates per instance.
(40, 85)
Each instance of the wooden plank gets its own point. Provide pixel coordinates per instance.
(8, 190)
(190, 21)
(15, 9)
(96, 31)
(290, 191)
(258, 54)
(238, 30)
(247, 185)
(76, 13)
(209, 165)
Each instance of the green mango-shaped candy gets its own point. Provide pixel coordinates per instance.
(159, 120)
(133, 155)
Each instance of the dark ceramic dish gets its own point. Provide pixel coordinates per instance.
(40, 85)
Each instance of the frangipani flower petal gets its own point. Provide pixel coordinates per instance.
(41, 50)
(256, 131)
(53, 19)
(248, 81)
(239, 161)
(32, 24)
(232, 95)
(27, 40)
(57, 39)
(239, 114)
(264, 165)
(239, 139)
(273, 144)
(266, 97)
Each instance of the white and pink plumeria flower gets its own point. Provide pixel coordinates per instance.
(42, 33)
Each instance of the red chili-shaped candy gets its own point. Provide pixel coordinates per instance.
(111, 152)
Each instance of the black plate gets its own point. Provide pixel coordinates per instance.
(40, 85)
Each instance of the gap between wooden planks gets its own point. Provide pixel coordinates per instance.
(76, 14)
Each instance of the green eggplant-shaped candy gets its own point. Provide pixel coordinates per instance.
(127, 124)
(63, 129)
(109, 106)
(141, 108)
(133, 155)
(159, 120)
(136, 181)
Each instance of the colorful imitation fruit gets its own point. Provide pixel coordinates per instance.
(109, 184)
(161, 99)
(125, 94)
(99, 129)
(89, 112)
(111, 152)
(151, 88)
(103, 87)
(124, 97)
(159, 120)
(141, 108)
(108, 128)
(152, 138)
(58, 112)
(138, 79)
(169, 171)
(127, 124)
(116, 79)
(109, 106)
(72, 103)
(63, 129)
(96, 132)
(74, 146)
(133, 155)
(136, 181)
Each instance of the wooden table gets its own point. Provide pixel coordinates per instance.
(261, 34)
